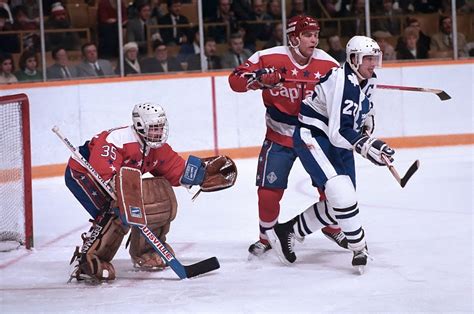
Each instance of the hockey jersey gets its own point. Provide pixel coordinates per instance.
(339, 106)
(110, 150)
(283, 104)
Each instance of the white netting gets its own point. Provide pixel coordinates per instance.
(12, 194)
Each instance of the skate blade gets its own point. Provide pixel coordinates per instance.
(275, 244)
(360, 269)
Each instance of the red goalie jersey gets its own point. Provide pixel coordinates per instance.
(283, 103)
(110, 150)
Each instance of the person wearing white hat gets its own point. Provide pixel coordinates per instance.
(131, 64)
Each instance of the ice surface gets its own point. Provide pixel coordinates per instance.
(420, 238)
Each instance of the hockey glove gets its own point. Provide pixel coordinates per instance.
(263, 79)
(211, 173)
(372, 149)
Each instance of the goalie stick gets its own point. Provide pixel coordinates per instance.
(183, 271)
(442, 95)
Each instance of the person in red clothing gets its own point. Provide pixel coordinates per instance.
(140, 146)
(266, 70)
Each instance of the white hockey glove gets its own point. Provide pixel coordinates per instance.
(369, 125)
(263, 79)
(372, 149)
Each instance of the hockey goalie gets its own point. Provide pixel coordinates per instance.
(141, 147)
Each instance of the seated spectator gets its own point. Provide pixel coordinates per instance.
(388, 52)
(277, 37)
(423, 43)
(442, 42)
(355, 25)
(60, 20)
(224, 14)
(242, 9)
(8, 42)
(5, 6)
(263, 28)
(137, 28)
(297, 8)
(212, 60)
(391, 21)
(130, 57)
(336, 50)
(274, 9)
(408, 49)
(60, 70)
(28, 68)
(31, 41)
(174, 35)
(237, 54)
(427, 6)
(160, 62)
(107, 27)
(189, 48)
(6, 69)
(91, 65)
(336, 8)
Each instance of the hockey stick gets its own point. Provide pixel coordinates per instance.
(440, 93)
(181, 270)
(410, 172)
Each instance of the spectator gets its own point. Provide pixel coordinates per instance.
(336, 50)
(31, 41)
(388, 52)
(237, 54)
(427, 6)
(297, 8)
(6, 69)
(408, 49)
(137, 28)
(8, 42)
(212, 60)
(60, 20)
(189, 48)
(91, 65)
(107, 27)
(263, 28)
(277, 37)
(4, 5)
(356, 25)
(442, 42)
(130, 57)
(336, 8)
(242, 9)
(391, 18)
(274, 9)
(161, 62)
(174, 35)
(28, 68)
(60, 70)
(423, 43)
(224, 14)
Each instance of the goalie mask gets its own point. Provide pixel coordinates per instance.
(151, 124)
(359, 47)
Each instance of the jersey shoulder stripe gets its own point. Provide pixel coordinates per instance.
(120, 137)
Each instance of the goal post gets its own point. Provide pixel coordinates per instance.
(16, 213)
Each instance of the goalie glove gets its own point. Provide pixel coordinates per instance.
(372, 149)
(263, 79)
(211, 173)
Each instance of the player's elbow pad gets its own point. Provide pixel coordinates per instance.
(194, 172)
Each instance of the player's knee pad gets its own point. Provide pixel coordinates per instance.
(160, 207)
(100, 245)
(340, 192)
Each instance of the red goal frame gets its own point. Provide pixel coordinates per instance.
(28, 199)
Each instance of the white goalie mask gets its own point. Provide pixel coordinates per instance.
(151, 124)
(361, 46)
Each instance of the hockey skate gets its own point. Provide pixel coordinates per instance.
(257, 249)
(359, 260)
(336, 236)
(282, 239)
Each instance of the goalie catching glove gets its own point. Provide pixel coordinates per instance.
(372, 149)
(211, 173)
(263, 79)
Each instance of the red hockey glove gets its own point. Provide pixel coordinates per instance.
(264, 78)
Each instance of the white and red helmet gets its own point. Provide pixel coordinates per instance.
(300, 23)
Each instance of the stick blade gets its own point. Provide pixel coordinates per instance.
(410, 172)
(443, 95)
(202, 267)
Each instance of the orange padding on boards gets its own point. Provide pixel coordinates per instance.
(252, 152)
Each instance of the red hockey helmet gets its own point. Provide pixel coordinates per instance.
(300, 23)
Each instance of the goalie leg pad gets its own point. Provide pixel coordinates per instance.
(100, 245)
(161, 208)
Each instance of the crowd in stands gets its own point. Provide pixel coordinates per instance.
(158, 37)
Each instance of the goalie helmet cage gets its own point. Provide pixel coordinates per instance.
(16, 217)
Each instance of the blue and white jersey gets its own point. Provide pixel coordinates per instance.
(338, 106)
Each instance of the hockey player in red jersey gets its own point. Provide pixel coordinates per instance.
(266, 70)
(140, 146)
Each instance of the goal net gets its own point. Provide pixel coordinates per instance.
(16, 225)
